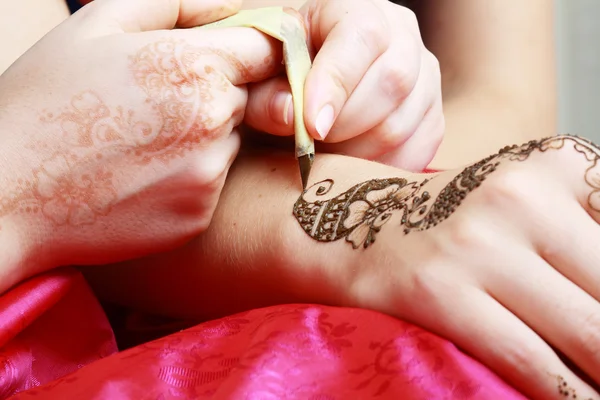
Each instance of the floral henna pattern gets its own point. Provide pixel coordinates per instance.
(74, 187)
(64, 191)
(358, 214)
(73, 198)
(180, 97)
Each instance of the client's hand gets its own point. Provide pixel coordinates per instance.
(116, 133)
(374, 91)
(502, 257)
(508, 269)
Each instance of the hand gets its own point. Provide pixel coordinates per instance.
(502, 258)
(116, 134)
(374, 90)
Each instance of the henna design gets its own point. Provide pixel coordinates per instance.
(180, 97)
(567, 391)
(359, 213)
(74, 186)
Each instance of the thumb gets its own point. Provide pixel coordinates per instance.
(147, 15)
(270, 107)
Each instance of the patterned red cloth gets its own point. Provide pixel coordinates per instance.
(56, 343)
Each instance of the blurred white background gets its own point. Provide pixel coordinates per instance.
(578, 56)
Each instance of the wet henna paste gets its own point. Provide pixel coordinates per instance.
(567, 391)
(358, 214)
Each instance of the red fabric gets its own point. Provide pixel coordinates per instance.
(55, 343)
(50, 326)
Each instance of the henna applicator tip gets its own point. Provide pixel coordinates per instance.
(305, 163)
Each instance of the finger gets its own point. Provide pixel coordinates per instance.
(270, 107)
(589, 192)
(351, 46)
(241, 55)
(387, 83)
(420, 149)
(570, 244)
(580, 159)
(217, 158)
(484, 328)
(562, 313)
(214, 165)
(147, 15)
(395, 130)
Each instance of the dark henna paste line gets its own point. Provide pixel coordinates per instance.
(358, 214)
(72, 187)
(567, 391)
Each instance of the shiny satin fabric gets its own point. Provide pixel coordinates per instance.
(56, 343)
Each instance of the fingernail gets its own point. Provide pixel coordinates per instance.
(324, 121)
(288, 110)
(283, 106)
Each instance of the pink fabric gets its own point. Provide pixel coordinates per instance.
(56, 343)
(50, 326)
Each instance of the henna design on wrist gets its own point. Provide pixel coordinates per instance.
(359, 213)
(74, 185)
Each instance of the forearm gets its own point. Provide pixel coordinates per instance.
(498, 73)
(255, 252)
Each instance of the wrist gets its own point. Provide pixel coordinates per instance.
(323, 273)
(334, 237)
(17, 257)
(21, 235)
(282, 263)
(358, 247)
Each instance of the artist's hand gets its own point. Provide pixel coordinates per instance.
(374, 91)
(116, 134)
(510, 276)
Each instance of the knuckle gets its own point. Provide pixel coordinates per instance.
(439, 129)
(428, 282)
(389, 138)
(207, 175)
(570, 154)
(511, 186)
(410, 16)
(468, 233)
(521, 355)
(371, 33)
(434, 63)
(337, 74)
(589, 336)
(410, 21)
(397, 82)
(220, 120)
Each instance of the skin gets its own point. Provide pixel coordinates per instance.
(493, 79)
(451, 274)
(499, 84)
(97, 143)
(358, 214)
(404, 268)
